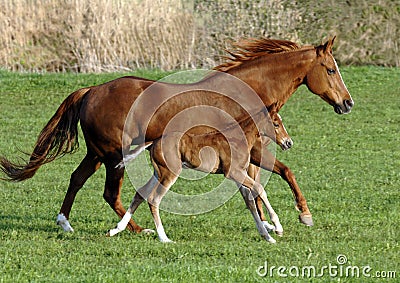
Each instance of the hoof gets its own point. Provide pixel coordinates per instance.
(270, 228)
(64, 223)
(306, 219)
(268, 238)
(113, 232)
(167, 241)
(279, 233)
(148, 231)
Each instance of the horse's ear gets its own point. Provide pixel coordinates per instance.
(329, 44)
(327, 47)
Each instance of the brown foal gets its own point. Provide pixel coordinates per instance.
(231, 154)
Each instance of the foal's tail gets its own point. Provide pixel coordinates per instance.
(58, 137)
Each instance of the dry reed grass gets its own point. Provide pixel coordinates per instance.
(368, 30)
(95, 36)
(114, 35)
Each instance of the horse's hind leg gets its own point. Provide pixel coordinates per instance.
(86, 168)
(112, 193)
(141, 194)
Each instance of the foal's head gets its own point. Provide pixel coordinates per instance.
(324, 79)
(274, 129)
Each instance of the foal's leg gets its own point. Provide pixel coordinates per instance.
(112, 193)
(249, 191)
(258, 191)
(272, 214)
(167, 179)
(267, 161)
(249, 200)
(86, 168)
(254, 173)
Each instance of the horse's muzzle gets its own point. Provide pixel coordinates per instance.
(344, 108)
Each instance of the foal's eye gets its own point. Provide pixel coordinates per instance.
(331, 71)
(276, 125)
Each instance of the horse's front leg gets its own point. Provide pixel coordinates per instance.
(305, 216)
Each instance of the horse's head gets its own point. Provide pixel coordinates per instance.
(324, 79)
(274, 129)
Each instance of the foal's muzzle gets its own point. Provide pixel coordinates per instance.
(286, 144)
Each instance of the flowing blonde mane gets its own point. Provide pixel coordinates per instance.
(249, 49)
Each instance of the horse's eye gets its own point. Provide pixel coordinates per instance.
(331, 72)
(276, 125)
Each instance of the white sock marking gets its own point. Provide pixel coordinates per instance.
(64, 223)
(121, 226)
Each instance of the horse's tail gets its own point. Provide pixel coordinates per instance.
(132, 154)
(58, 137)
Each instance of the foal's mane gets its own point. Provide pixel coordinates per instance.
(249, 49)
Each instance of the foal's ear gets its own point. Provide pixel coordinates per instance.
(273, 107)
(327, 47)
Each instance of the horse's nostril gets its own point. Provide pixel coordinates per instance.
(349, 103)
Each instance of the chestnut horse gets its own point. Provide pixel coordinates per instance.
(274, 69)
(229, 155)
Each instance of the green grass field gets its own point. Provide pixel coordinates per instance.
(347, 167)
